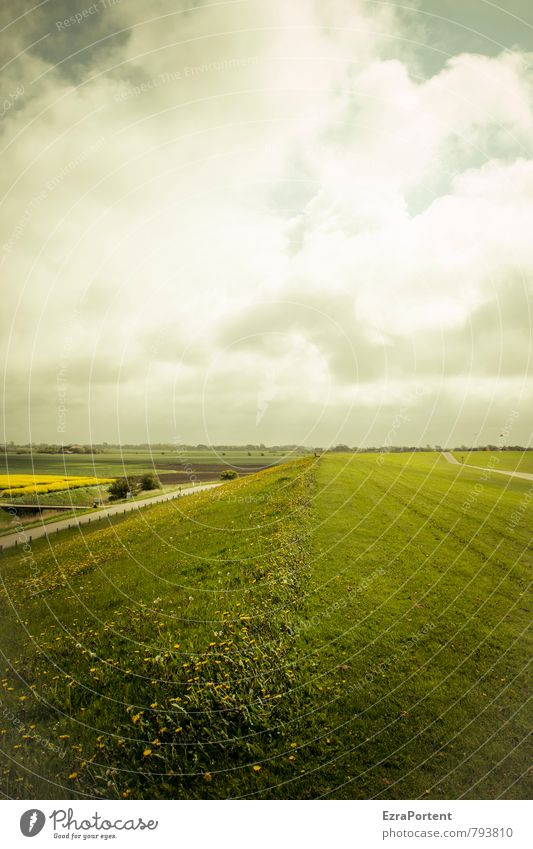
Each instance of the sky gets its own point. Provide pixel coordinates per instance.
(266, 222)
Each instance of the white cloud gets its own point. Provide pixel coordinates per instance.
(386, 213)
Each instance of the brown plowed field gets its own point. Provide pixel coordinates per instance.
(170, 473)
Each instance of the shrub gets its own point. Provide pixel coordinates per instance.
(149, 481)
(119, 489)
(228, 475)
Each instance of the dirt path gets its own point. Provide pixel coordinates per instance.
(451, 459)
(22, 536)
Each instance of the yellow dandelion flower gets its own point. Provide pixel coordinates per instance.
(256, 768)
(147, 752)
(73, 775)
(208, 776)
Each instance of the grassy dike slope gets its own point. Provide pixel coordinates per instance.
(352, 627)
(153, 657)
(418, 592)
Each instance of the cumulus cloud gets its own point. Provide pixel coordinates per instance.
(262, 222)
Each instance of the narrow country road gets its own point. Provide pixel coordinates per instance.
(451, 459)
(22, 535)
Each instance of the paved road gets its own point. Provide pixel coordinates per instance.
(451, 459)
(22, 535)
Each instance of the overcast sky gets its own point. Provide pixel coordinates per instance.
(267, 221)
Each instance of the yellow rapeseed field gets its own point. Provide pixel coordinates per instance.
(13, 485)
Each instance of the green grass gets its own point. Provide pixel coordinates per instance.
(510, 461)
(352, 628)
(430, 581)
(79, 497)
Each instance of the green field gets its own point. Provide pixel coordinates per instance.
(179, 467)
(510, 461)
(114, 463)
(174, 468)
(352, 627)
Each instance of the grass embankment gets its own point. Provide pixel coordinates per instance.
(419, 594)
(83, 496)
(157, 647)
(352, 628)
(509, 461)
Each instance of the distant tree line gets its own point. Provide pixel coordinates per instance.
(399, 449)
(100, 448)
(47, 448)
(492, 448)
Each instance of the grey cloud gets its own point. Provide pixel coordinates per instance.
(329, 323)
(496, 339)
(74, 48)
